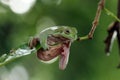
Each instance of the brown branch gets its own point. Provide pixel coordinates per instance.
(118, 13)
(96, 19)
(118, 28)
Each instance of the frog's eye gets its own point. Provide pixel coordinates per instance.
(67, 31)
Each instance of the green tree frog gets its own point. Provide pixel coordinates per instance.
(55, 41)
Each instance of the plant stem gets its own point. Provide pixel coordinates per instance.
(112, 14)
(95, 21)
(83, 38)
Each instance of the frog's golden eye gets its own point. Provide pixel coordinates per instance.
(67, 31)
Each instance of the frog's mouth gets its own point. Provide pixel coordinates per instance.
(58, 46)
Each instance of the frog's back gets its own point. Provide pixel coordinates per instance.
(44, 35)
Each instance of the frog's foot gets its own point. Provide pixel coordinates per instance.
(33, 42)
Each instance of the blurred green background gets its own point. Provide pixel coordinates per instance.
(87, 59)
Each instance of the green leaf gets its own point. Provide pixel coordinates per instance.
(21, 51)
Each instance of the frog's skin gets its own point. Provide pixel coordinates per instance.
(65, 31)
(55, 41)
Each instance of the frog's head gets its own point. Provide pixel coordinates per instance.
(66, 32)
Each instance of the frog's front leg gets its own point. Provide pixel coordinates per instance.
(43, 42)
(33, 42)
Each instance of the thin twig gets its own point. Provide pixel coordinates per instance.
(112, 14)
(118, 29)
(95, 21)
(118, 13)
